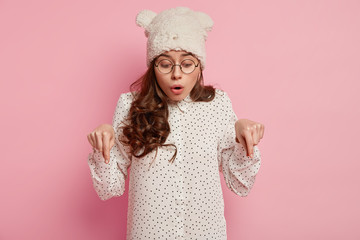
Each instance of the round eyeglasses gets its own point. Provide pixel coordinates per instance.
(187, 66)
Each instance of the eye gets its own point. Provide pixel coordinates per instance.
(165, 64)
(187, 63)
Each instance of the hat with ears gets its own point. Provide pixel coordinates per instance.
(177, 28)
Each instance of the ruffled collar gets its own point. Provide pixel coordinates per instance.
(182, 104)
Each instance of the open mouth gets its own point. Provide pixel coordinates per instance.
(177, 86)
(177, 89)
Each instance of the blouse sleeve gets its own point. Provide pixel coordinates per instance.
(109, 179)
(239, 170)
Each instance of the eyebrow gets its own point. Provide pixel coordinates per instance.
(182, 55)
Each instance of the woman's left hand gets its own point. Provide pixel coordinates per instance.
(249, 133)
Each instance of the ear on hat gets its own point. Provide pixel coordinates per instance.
(205, 20)
(144, 18)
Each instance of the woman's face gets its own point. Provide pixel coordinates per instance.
(176, 78)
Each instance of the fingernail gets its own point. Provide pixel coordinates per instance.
(251, 155)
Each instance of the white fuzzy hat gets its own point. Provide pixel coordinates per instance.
(177, 28)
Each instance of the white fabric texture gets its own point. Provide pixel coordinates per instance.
(177, 28)
(184, 199)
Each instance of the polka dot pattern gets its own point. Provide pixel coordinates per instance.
(180, 200)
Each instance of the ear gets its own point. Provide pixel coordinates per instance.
(144, 18)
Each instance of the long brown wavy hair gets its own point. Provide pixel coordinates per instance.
(146, 126)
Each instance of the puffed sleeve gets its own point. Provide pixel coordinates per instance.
(239, 170)
(109, 179)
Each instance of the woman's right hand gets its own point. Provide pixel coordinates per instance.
(102, 139)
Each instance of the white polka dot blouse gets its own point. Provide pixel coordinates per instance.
(183, 199)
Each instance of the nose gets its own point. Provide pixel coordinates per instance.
(176, 72)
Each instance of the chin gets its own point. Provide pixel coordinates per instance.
(177, 97)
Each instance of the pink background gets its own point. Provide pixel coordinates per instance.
(291, 65)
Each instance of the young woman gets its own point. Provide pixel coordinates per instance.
(177, 135)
